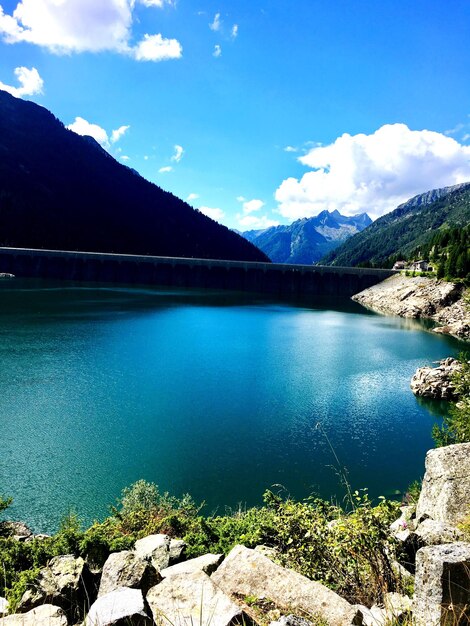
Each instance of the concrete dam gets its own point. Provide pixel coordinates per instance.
(276, 279)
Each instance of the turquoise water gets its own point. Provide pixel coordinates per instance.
(212, 394)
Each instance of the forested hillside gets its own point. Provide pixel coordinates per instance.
(407, 231)
(62, 191)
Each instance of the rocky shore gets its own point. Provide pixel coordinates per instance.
(153, 582)
(436, 382)
(421, 297)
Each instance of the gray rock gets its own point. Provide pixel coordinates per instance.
(397, 604)
(44, 615)
(247, 572)
(375, 616)
(394, 607)
(420, 297)
(15, 530)
(62, 583)
(433, 533)
(126, 569)
(121, 607)
(154, 548)
(436, 382)
(445, 493)
(177, 550)
(442, 589)
(3, 606)
(207, 563)
(185, 599)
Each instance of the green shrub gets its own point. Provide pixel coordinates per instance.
(4, 503)
(455, 426)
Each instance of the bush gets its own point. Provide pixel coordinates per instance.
(348, 551)
(456, 424)
(4, 503)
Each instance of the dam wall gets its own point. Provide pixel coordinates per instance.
(280, 280)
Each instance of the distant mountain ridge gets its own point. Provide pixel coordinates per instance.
(307, 240)
(59, 190)
(410, 225)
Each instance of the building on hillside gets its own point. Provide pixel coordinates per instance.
(399, 265)
(420, 266)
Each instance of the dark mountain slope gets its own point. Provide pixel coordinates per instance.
(404, 230)
(62, 191)
(308, 239)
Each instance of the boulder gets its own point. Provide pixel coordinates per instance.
(3, 606)
(442, 589)
(375, 616)
(177, 550)
(445, 493)
(436, 382)
(394, 607)
(154, 548)
(63, 583)
(121, 607)
(185, 599)
(207, 563)
(44, 615)
(15, 530)
(247, 572)
(126, 569)
(433, 533)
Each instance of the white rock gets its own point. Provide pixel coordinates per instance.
(247, 572)
(207, 563)
(44, 615)
(121, 606)
(156, 549)
(185, 599)
(445, 493)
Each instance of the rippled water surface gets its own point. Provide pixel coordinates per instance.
(205, 393)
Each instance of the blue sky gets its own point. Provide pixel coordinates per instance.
(258, 112)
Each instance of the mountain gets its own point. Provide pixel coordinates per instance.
(403, 231)
(59, 190)
(308, 239)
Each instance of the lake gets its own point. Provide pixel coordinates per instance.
(216, 394)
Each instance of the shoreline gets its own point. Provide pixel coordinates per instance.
(421, 298)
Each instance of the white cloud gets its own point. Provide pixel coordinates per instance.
(30, 81)
(290, 149)
(192, 196)
(165, 170)
(125, 158)
(466, 137)
(252, 205)
(213, 213)
(118, 133)
(157, 3)
(234, 32)
(178, 155)
(373, 173)
(82, 127)
(156, 48)
(241, 199)
(254, 222)
(216, 24)
(65, 26)
(217, 51)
